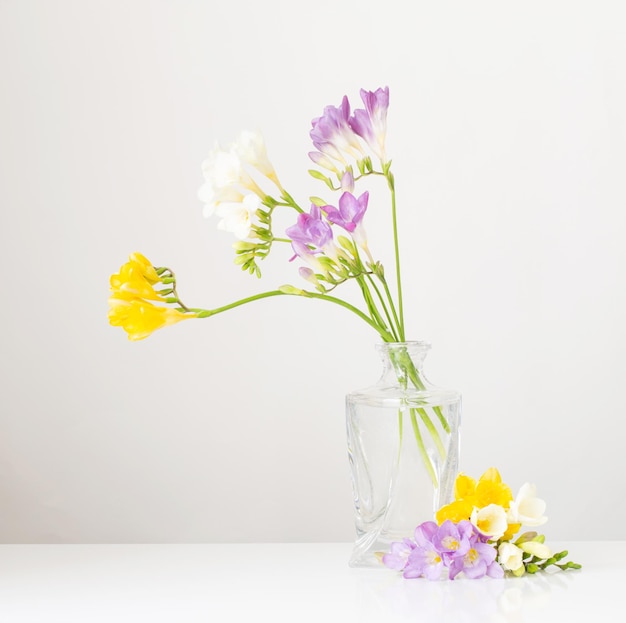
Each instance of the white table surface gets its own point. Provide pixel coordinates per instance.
(288, 582)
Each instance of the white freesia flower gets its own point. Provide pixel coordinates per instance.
(536, 549)
(211, 198)
(237, 217)
(527, 509)
(510, 556)
(490, 520)
(225, 179)
(222, 168)
(250, 148)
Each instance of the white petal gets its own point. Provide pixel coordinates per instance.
(536, 549)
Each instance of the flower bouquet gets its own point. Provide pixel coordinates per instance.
(403, 434)
(475, 535)
(329, 242)
(328, 238)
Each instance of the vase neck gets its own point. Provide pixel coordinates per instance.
(417, 351)
(403, 360)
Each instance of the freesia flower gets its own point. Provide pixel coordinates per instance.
(480, 560)
(140, 318)
(145, 266)
(350, 212)
(470, 494)
(332, 135)
(527, 509)
(425, 559)
(398, 555)
(323, 161)
(212, 198)
(536, 549)
(132, 293)
(491, 490)
(371, 124)
(135, 280)
(455, 511)
(349, 216)
(510, 556)
(310, 230)
(490, 520)
(309, 275)
(250, 147)
(237, 218)
(452, 539)
(347, 181)
(225, 179)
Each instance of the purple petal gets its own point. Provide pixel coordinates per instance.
(475, 571)
(425, 532)
(494, 570)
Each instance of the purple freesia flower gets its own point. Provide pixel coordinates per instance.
(371, 124)
(310, 229)
(312, 235)
(398, 555)
(454, 540)
(332, 135)
(459, 547)
(425, 560)
(350, 211)
(478, 561)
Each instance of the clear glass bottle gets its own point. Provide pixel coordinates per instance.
(403, 447)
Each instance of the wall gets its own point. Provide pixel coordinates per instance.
(507, 130)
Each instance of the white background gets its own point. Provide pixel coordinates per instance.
(507, 129)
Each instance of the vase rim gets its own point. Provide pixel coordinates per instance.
(412, 344)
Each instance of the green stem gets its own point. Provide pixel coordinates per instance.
(420, 444)
(390, 299)
(387, 337)
(291, 201)
(397, 252)
(371, 306)
(206, 313)
(408, 365)
(384, 306)
(434, 433)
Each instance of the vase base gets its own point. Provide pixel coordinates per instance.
(368, 552)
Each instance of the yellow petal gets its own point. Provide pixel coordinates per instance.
(455, 511)
(145, 265)
(512, 529)
(492, 474)
(491, 490)
(141, 318)
(464, 487)
(131, 281)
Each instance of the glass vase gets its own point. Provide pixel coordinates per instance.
(403, 448)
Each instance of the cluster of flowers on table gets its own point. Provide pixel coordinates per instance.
(475, 535)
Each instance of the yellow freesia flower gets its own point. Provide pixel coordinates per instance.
(145, 265)
(470, 495)
(135, 281)
(491, 490)
(140, 318)
(464, 487)
(132, 290)
(455, 511)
